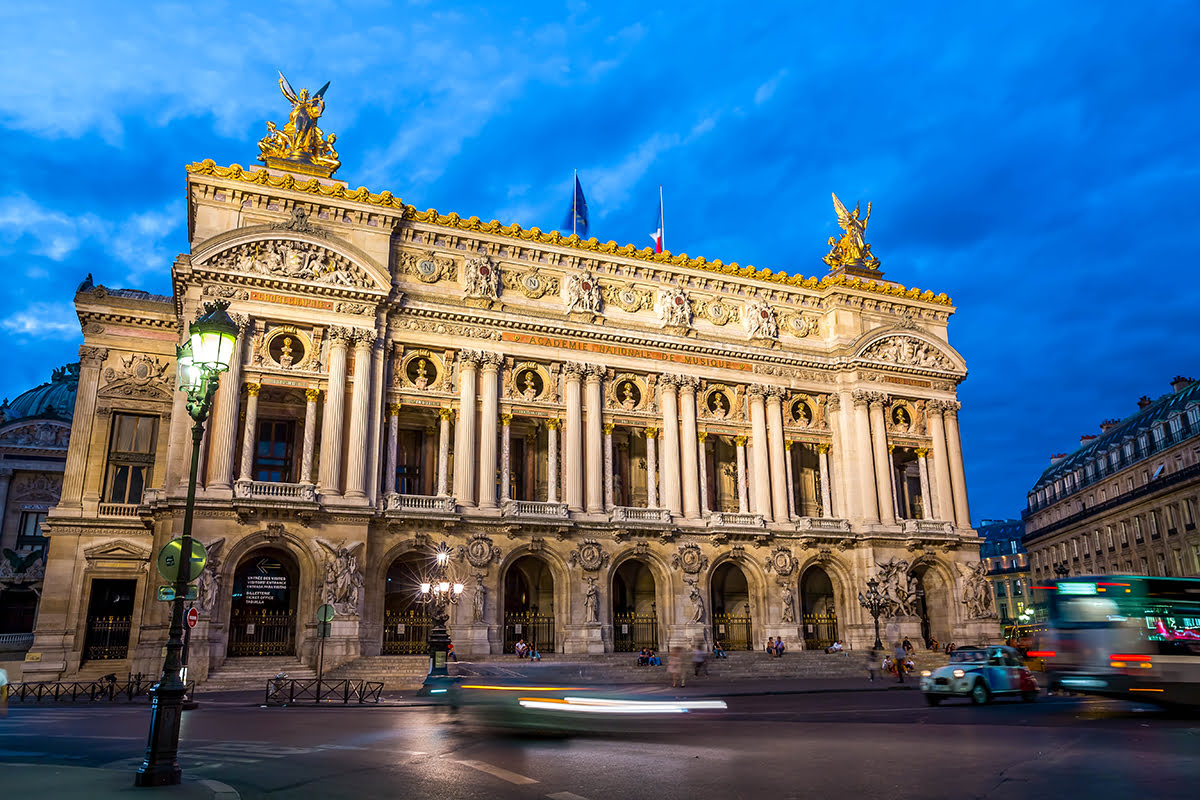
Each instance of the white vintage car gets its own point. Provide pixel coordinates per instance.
(980, 673)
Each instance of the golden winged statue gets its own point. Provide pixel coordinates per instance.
(851, 250)
(301, 146)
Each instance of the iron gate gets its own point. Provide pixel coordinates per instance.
(107, 638)
(820, 631)
(258, 632)
(732, 632)
(406, 633)
(632, 632)
(536, 629)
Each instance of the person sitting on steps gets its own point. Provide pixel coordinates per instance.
(718, 651)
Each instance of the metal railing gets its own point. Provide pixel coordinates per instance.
(13, 641)
(117, 509)
(107, 638)
(632, 632)
(820, 631)
(406, 633)
(269, 490)
(733, 632)
(92, 691)
(536, 629)
(292, 691)
(262, 633)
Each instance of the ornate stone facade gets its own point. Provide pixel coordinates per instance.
(599, 434)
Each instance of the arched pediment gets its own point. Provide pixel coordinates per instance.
(293, 256)
(910, 349)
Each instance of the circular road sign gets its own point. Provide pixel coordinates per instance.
(169, 560)
(325, 613)
(193, 616)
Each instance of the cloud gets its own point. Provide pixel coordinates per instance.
(44, 321)
(49, 233)
(765, 92)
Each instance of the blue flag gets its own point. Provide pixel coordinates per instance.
(577, 216)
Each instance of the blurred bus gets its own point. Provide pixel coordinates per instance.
(1026, 636)
(1125, 636)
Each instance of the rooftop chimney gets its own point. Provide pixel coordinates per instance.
(1086, 440)
(1057, 457)
(1180, 383)
(1108, 424)
(1144, 402)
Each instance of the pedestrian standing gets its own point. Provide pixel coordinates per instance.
(899, 661)
(675, 666)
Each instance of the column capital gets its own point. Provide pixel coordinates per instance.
(891, 448)
(393, 409)
(651, 433)
(757, 390)
(92, 356)
(469, 358)
(787, 445)
(574, 370)
(922, 452)
(445, 413)
(340, 336)
(667, 381)
(701, 436)
(823, 447)
(740, 441)
(552, 424)
(312, 395)
(687, 383)
(490, 362)
(253, 389)
(364, 339)
(506, 419)
(833, 402)
(608, 428)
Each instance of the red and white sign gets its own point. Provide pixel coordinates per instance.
(193, 616)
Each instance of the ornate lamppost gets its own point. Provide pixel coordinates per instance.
(875, 603)
(200, 362)
(442, 590)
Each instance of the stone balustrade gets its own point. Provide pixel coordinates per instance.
(637, 514)
(420, 504)
(267, 490)
(731, 519)
(532, 509)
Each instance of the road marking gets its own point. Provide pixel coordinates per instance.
(565, 796)
(497, 772)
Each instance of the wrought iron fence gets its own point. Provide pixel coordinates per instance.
(132, 689)
(820, 631)
(258, 632)
(536, 629)
(406, 633)
(290, 691)
(634, 631)
(734, 633)
(107, 638)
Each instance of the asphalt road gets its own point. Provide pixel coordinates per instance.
(839, 745)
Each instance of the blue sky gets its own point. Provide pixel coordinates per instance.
(1039, 162)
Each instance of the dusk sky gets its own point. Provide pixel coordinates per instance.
(1039, 162)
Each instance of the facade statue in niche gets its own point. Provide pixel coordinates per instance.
(760, 321)
(673, 308)
(591, 602)
(343, 577)
(788, 598)
(479, 600)
(697, 603)
(630, 396)
(208, 585)
(582, 293)
(977, 592)
(481, 278)
(421, 376)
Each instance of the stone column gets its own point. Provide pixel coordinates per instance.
(360, 401)
(775, 454)
(6, 474)
(596, 471)
(609, 502)
(393, 443)
(250, 434)
(703, 463)
(841, 475)
(791, 483)
(958, 476)
(225, 420)
(623, 469)
(331, 423)
(573, 436)
(941, 462)
(758, 434)
(743, 489)
(923, 469)
(881, 459)
(506, 457)
(891, 463)
(488, 420)
(91, 359)
(552, 461)
(688, 455)
(464, 431)
(826, 497)
(863, 456)
(443, 457)
(671, 496)
(652, 467)
(530, 466)
(310, 434)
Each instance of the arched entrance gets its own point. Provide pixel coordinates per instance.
(933, 603)
(635, 609)
(730, 598)
(818, 608)
(262, 614)
(406, 620)
(529, 604)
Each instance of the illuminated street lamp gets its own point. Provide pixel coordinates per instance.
(442, 590)
(200, 362)
(874, 602)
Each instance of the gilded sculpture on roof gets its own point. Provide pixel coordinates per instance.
(851, 250)
(301, 146)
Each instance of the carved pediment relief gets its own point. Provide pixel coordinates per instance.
(36, 487)
(139, 376)
(119, 550)
(36, 434)
(290, 257)
(907, 351)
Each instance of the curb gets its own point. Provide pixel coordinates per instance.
(220, 791)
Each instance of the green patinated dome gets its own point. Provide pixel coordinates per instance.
(53, 400)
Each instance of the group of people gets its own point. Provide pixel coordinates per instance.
(775, 647)
(524, 650)
(647, 657)
(675, 663)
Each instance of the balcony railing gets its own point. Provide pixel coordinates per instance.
(729, 519)
(660, 516)
(531, 509)
(420, 504)
(124, 510)
(927, 526)
(15, 641)
(268, 490)
(824, 524)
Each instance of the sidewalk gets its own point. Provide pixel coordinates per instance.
(55, 781)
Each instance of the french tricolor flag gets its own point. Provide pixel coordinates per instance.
(658, 235)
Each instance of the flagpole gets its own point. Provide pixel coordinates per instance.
(574, 202)
(662, 218)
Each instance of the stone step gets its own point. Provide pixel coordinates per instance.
(254, 672)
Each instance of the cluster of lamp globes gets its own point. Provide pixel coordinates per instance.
(441, 587)
(208, 350)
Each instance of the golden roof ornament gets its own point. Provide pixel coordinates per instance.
(851, 254)
(301, 146)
